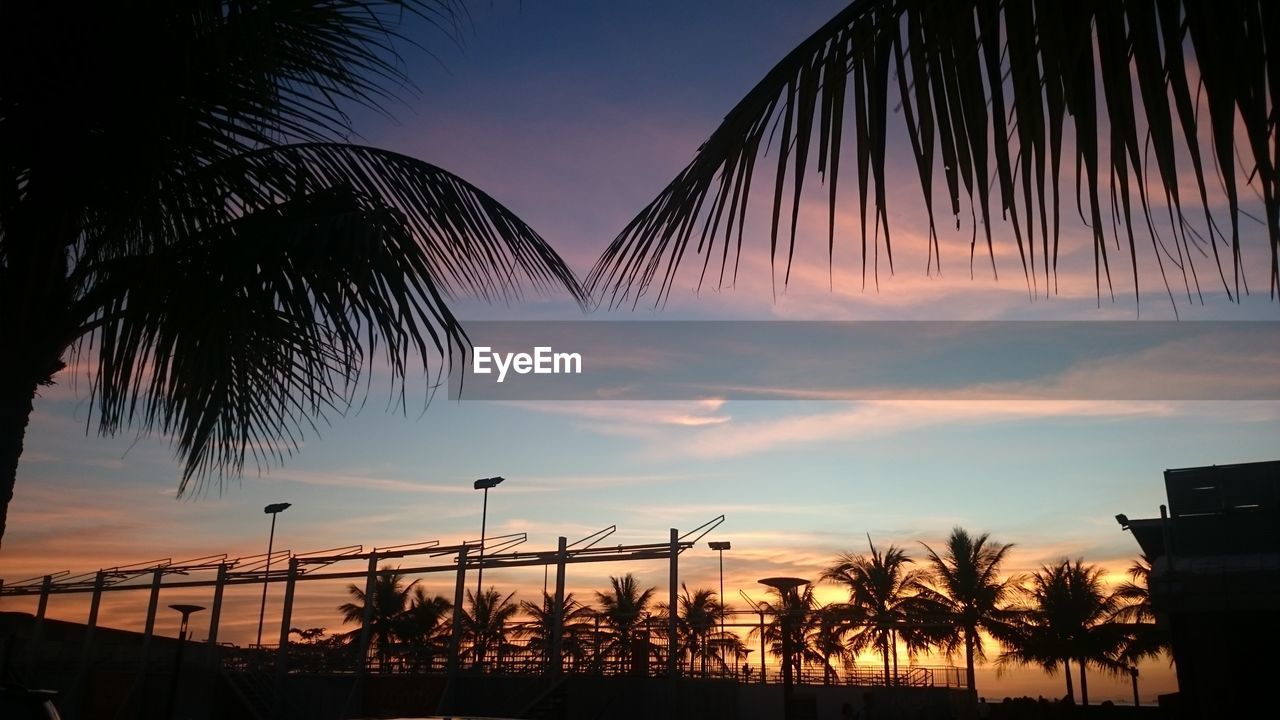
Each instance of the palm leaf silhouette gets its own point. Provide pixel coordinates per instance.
(992, 92)
(183, 213)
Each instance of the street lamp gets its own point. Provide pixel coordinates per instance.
(186, 611)
(721, 546)
(273, 509)
(787, 588)
(484, 484)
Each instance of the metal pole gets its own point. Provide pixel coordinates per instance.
(152, 606)
(366, 620)
(177, 669)
(215, 617)
(447, 700)
(672, 607)
(266, 577)
(44, 601)
(786, 663)
(762, 655)
(484, 514)
(37, 633)
(147, 634)
(286, 616)
(557, 627)
(722, 641)
(86, 651)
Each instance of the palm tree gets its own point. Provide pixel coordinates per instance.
(621, 609)
(485, 624)
(1146, 639)
(981, 80)
(697, 617)
(389, 602)
(967, 591)
(575, 621)
(825, 635)
(884, 594)
(1067, 615)
(424, 626)
(165, 160)
(796, 620)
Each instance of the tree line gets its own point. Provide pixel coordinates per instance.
(952, 600)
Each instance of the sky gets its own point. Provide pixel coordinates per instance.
(574, 115)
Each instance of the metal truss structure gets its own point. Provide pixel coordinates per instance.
(498, 552)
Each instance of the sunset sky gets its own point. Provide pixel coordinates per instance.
(575, 115)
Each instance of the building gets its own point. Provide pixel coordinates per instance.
(1215, 584)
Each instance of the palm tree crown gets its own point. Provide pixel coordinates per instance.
(485, 623)
(622, 608)
(884, 594)
(966, 587)
(1146, 638)
(1067, 614)
(575, 619)
(996, 97)
(389, 602)
(698, 613)
(180, 210)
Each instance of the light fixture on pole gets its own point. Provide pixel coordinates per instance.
(789, 599)
(272, 510)
(484, 484)
(721, 546)
(186, 611)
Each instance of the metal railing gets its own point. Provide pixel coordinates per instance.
(589, 654)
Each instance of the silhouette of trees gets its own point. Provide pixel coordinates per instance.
(484, 625)
(797, 617)
(424, 627)
(389, 602)
(966, 588)
(974, 82)
(165, 160)
(621, 609)
(1145, 638)
(885, 599)
(1067, 614)
(697, 618)
(1061, 615)
(826, 635)
(575, 629)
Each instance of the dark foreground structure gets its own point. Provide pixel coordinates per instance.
(131, 676)
(1215, 584)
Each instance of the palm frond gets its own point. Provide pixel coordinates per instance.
(986, 90)
(249, 299)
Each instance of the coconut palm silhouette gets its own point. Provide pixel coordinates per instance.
(183, 215)
(1067, 615)
(1001, 102)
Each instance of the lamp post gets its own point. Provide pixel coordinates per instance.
(272, 510)
(484, 484)
(721, 546)
(186, 611)
(789, 598)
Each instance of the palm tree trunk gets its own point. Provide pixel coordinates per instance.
(1071, 691)
(969, 674)
(1084, 684)
(884, 655)
(16, 398)
(895, 657)
(34, 301)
